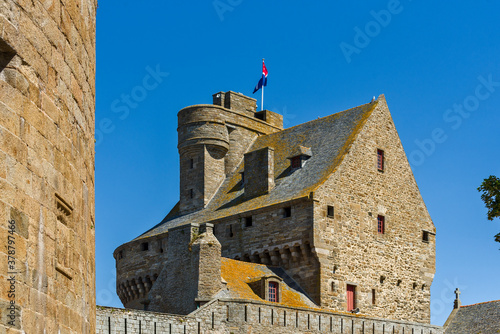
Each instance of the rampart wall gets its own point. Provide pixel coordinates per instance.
(223, 316)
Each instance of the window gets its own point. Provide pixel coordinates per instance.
(381, 224)
(230, 231)
(287, 212)
(296, 162)
(330, 211)
(191, 193)
(191, 163)
(248, 221)
(144, 246)
(380, 160)
(373, 297)
(120, 255)
(273, 292)
(425, 236)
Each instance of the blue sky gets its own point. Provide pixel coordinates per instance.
(437, 64)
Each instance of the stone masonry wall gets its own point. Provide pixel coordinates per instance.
(223, 316)
(397, 266)
(274, 239)
(47, 94)
(178, 279)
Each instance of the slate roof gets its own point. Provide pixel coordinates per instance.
(481, 318)
(238, 274)
(329, 139)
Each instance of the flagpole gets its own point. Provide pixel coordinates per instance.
(262, 102)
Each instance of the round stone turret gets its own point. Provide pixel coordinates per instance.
(212, 141)
(203, 144)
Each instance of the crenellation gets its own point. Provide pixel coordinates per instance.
(224, 316)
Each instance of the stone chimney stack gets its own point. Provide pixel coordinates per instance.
(207, 253)
(192, 273)
(259, 172)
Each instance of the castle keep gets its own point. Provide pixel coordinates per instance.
(324, 216)
(47, 94)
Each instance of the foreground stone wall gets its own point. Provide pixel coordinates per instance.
(223, 316)
(392, 271)
(47, 93)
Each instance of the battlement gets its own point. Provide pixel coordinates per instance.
(243, 316)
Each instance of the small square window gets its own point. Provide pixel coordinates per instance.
(425, 236)
(380, 160)
(381, 224)
(144, 246)
(287, 212)
(330, 211)
(248, 221)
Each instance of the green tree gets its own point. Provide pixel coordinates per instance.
(490, 189)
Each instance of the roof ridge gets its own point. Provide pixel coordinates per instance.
(491, 301)
(338, 113)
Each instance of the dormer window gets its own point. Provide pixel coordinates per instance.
(296, 162)
(268, 288)
(299, 156)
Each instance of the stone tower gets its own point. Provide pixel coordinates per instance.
(212, 141)
(47, 94)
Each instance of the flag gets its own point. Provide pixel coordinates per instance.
(263, 79)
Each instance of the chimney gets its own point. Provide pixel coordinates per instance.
(236, 101)
(192, 273)
(259, 172)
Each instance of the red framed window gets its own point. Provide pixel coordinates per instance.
(273, 292)
(381, 224)
(296, 162)
(351, 297)
(380, 160)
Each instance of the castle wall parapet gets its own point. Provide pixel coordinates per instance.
(243, 316)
